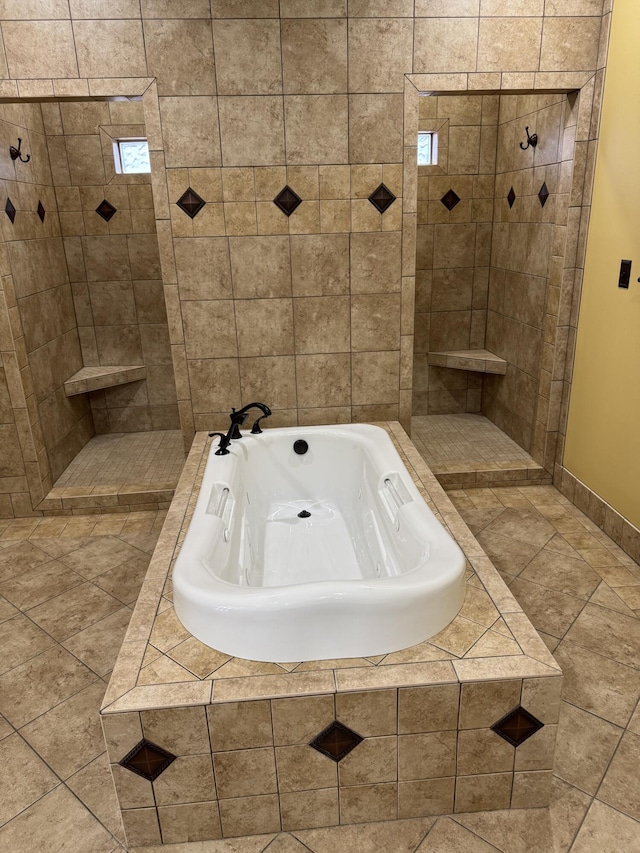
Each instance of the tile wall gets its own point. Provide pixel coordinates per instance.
(113, 263)
(453, 247)
(43, 344)
(517, 234)
(275, 316)
(242, 97)
(325, 94)
(527, 258)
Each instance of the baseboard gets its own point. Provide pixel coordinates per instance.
(616, 526)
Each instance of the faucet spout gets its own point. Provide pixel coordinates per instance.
(238, 418)
(266, 411)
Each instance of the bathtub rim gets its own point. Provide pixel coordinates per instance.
(322, 619)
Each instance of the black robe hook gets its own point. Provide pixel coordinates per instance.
(531, 140)
(15, 152)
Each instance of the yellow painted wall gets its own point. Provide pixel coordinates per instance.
(603, 438)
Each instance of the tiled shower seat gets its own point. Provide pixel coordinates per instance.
(93, 378)
(479, 360)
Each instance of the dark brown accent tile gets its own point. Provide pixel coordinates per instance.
(190, 202)
(147, 759)
(106, 210)
(287, 200)
(517, 726)
(336, 741)
(382, 198)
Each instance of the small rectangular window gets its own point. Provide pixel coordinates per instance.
(131, 156)
(427, 148)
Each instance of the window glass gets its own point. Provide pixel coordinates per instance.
(131, 156)
(427, 148)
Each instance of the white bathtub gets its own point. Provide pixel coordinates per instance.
(369, 571)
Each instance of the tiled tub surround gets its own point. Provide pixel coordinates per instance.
(303, 313)
(240, 730)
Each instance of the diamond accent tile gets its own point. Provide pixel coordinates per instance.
(106, 210)
(147, 759)
(10, 210)
(511, 197)
(190, 202)
(450, 199)
(517, 726)
(336, 741)
(41, 211)
(287, 200)
(543, 194)
(382, 198)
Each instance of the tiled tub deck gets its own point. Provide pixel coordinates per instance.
(239, 731)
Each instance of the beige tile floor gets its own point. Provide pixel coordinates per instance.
(153, 459)
(66, 590)
(465, 442)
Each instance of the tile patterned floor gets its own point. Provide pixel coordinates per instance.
(153, 459)
(66, 589)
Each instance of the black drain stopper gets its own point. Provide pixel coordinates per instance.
(300, 446)
(304, 514)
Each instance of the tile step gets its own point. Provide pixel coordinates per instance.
(104, 499)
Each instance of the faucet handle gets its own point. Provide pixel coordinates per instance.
(237, 420)
(255, 429)
(238, 417)
(222, 445)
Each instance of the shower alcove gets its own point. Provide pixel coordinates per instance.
(489, 345)
(100, 430)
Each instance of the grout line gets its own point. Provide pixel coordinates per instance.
(456, 818)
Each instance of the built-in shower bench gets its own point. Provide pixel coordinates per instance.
(480, 360)
(104, 376)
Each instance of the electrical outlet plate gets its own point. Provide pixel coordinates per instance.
(625, 274)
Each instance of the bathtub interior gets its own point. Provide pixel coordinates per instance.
(336, 512)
